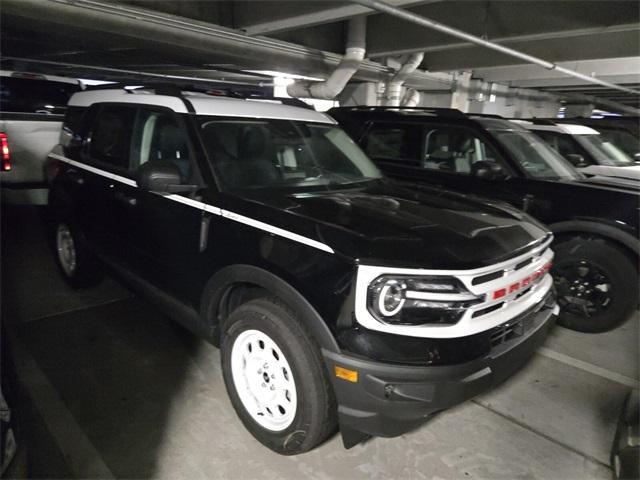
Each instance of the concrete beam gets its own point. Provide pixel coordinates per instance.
(556, 50)
(513, 39)
(264, 18)
(571, 31)
(616, 70)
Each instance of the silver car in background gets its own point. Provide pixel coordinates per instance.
(588, 150)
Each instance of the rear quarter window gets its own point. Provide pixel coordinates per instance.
(111, 136)
(393, 142)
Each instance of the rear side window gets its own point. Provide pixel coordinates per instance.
(395, 142)
(26, 95)
(157, 136)
(111, 135)
(454, 150)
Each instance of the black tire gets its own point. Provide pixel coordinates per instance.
(87, 271)
(616, 267)
(315, 415)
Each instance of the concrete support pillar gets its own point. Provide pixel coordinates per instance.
(581, 110)
(460, 98)
(435, 99)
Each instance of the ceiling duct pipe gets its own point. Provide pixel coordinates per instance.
(411, 98)
(394, 86)
(189, 40)
(348, 66)
(428, 23)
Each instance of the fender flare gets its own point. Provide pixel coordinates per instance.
(219, 283)
(617, 235)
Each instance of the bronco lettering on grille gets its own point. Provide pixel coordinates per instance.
(525, 282)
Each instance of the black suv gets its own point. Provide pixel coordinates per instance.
(594, 220)
(335, 295)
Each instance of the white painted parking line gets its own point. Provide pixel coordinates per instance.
(588, 367)
(80, 454)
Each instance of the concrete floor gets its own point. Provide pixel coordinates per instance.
(112, 388)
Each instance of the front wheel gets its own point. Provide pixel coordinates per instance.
(275, 378)
(597, 285)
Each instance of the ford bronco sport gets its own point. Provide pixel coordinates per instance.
(335, 295)
(594, 220)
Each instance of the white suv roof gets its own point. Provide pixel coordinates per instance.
(568, 128)
(202, 104)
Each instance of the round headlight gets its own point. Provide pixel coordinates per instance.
(391, 298)
(407, 300)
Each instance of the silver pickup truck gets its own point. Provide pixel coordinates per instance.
(32, 109)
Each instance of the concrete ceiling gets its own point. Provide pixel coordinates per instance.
(558, 31)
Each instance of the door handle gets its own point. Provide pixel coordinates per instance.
(75, 177)
(127, 200)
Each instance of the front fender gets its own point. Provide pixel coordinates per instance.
(601, 229)
(218, 284)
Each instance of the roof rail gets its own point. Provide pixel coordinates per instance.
(444, 112)
(212, 88)
(487, 115)
(175, 89)
(541, 121)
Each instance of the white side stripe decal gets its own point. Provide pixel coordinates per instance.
(206, 207)
(95, 170)
(276, 231)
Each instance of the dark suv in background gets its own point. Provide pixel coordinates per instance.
(594, 220)
(335, 294)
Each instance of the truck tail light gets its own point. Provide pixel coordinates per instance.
(5, 153)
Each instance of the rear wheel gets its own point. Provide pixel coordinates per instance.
(78, 267)
(597, 285)
(276, 379)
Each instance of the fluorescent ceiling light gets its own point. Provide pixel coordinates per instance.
(94, 82)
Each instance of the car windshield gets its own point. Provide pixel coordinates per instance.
(250, 153)
(605, 152)
(623, 140)
(535, 156)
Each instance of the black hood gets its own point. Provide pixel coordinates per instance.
(617, 183)
(388, 224)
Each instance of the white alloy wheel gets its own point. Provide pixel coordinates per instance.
(263, 380)
(66, 249)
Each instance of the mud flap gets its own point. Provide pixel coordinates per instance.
(351, 437)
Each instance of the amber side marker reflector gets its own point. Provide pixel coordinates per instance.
(346, 374)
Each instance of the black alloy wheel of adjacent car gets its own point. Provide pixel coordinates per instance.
(597, 285)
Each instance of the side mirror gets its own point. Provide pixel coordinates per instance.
(576, 160)
(162, 177)
(487, 170)
(636, 157)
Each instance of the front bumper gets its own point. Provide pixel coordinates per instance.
(389, 400)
